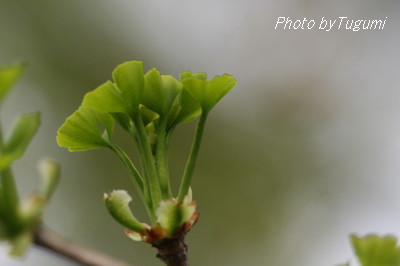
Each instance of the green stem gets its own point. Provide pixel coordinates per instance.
(148, 160)
(1, 138)
(169, 136)
(10, 198)
(132, 171)
(161, 159)
(191, 163)
(142, 167)
(136, 178)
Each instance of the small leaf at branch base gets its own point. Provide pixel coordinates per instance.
(135, 236)
(117, 204)
(171, 215)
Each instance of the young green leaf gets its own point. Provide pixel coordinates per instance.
(160, 91)
(129, 78)
(207, 93)
(105, 98)
(81, 130)
(148, 115)
(190, 108)
(8, 76)
(22, 133)
(373, 250)
(199, 75)
(117, 204)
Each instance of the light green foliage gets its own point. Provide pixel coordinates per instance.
(117, 204)
(160, 91)
(81, 131)
(18, 219)
(373, 250)
(106, 98)
(189, 107)
(129, 79)
(22, 133)
(148, 107)
(8, 76)
(207, 93)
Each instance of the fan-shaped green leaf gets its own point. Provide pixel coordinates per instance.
(129, 78)
(373, 250)
(190, 108)
(207, 93)
(81, 130)
(105, 98)
(199, 75)
(160, 91)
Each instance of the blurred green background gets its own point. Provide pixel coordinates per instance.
(302, 152)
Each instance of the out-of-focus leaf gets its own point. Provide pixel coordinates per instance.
(81, 130)
(20, 244)
(8, 76)
(117, 204)
(3, 233)
(129, 78)
(50, 173)
(171, 215)
(29, 210)
(207, 93)
(373, 250)
(199, 75)
(22, 133)
(32, 208)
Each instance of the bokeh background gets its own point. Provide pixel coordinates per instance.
(304, 151)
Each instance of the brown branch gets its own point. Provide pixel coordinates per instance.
(80, 254)
(173, 251)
